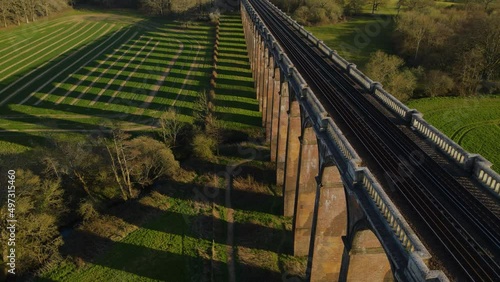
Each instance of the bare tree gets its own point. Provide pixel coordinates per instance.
(119, 162)
(171, 127)
(156, 7)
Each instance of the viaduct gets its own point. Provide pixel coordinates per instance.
(343, 218)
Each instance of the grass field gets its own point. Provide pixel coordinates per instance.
(184, 232)
(185, 237)
(235, 96)
(474, 123)
(358, 37)
(88, 69)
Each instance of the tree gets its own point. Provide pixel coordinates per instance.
(17, 11)
(412, 5)
(376, 4)
(149, 160)
(302, 15)
(468, 70)
(75, 160)
(437, 83)
(119, 162)
(354, 6)
(171, 127)
(156, 7)
(390, 71)
(415, 28)
(203, 109)
(204, 146)
(483, 32)
(138, 162)
(4, 11)
(39, 203)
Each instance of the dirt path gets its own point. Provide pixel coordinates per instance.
(51, 68)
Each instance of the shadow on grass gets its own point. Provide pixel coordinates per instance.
(171, 261)
(122, 107)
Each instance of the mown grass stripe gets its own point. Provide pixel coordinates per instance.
(41, 50)
(51, 68)
(81, 58)
(193, 66)
(120, 71)
(161, 80)
(15, 38)
(31, 47)
(22, 33)
(131, 73)
(93, 70)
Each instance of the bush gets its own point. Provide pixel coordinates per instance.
(302, 15)
(214, 16)
(204, 146)
(390, 71)
(437, 83)
(87, 210)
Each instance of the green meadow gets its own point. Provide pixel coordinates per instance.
(86, 70)
(473, 123)
(235, 96)
(181, 231)
(358, 37)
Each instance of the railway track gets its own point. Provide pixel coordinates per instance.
(463, 226)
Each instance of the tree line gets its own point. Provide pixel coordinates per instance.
(439, 50)
(25, 11)
(15, 12)
(458, 46)
(442, 51)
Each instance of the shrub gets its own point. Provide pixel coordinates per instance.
(437, 83)
(87, 210)
(204, 147)
(214, 16)
(301, 15)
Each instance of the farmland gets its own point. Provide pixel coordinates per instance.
(85, 71)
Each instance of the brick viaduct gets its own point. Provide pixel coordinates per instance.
(342, 218)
